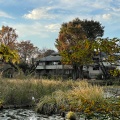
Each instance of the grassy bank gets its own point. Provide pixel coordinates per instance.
(84, 99)
(19, 92)
(60, 96)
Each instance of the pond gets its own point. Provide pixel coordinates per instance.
(25, 114)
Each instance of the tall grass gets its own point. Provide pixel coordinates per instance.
(16, 91)
(74, 98)
(84, 98)
(52, 96)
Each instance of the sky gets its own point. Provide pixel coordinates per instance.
(40, 20)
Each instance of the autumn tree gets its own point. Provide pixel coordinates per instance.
(77, 30)
(27, 50)
(93, 29)
(110, 48)
(9, 56)
(74, 43)
(8, 36)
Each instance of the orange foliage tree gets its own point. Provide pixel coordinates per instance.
(78, 41)
(8, 36)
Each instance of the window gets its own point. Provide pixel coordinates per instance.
(42, 63)
(96, 67)
(96, 59)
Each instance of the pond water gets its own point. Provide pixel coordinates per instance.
(25, 114)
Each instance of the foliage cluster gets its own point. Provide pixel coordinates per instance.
(8, 55)
(115, 72)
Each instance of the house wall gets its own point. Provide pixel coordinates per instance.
(94, 73)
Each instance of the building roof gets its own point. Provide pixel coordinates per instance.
(51, 58)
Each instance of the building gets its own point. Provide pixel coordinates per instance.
(100, 67)
(51, 66)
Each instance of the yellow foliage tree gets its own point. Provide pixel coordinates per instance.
(8, 55)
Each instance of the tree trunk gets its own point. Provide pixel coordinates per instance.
(74, 73)
(77, 72)
(80, 70)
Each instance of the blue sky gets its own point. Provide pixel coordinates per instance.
(40, 20)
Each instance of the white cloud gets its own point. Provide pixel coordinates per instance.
(3, 14)
(35, 29)
(53, 27)
(24, 30)
(102, 18)
(106, 16)
(116, 9)
(40, 13)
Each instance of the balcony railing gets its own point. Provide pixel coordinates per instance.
(54, 67)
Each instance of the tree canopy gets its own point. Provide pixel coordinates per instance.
(93, 29)
(8, 55)
(74, 31)
(78, 42)
(8, 36)
(75, 39)
(26, 50)
(108, 46)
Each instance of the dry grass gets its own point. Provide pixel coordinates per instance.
(52, 95)
(71, 99)
(87, 91)
(16, 91)
(82, 97)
